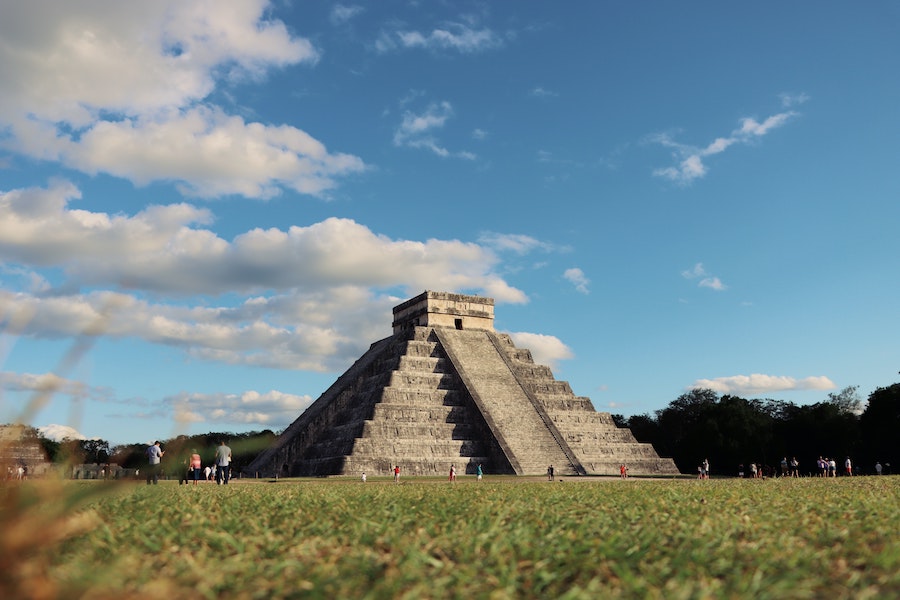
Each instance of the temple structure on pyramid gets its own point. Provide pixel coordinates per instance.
(446, 389)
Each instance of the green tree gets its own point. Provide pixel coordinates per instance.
(847, 400)
(879, 426)
(95, 451)
(686, 426)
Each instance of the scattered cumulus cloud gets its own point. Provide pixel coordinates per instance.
(130, 95)
(545, 349)
(516, 243)
(310, 298)
(789, 100)
(457, 37)
(540, 92)
(341, 13)
(59, 433)
(706, 280)
(417, 130)
(690, 160)
(576, 277)
(41, 383)
(273, 409)
(757, 384)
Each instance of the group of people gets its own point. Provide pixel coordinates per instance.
(703, 469)
(20, 472)
(827, 467)
(195, 471)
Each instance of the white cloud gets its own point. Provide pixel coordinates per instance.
(274, 410)
(341, 13)
(454, 36)
(713, 283)
(789, 100)
(517, 243)
(125, 91)
(690, 159)
(162, 249)
(545, 349)
(706, 280)
(416, 130)
(751, 127)
(758, 384)
(58, 433)
(43, 383)
(307, 297)
(576, 277)
(316, 331)
(540, 92)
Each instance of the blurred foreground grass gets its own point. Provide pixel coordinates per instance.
(502, 538)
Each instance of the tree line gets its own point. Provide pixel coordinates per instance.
(244, 448)
(700, 424)
(730, 430)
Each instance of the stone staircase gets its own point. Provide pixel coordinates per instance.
(516, 422)
(597, 442)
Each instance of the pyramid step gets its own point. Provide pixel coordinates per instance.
(419, 430)
(433, 381)
(619, 451)
(416, 348)
(576, 419)
(420, 364)
(533, 371)
(552, 387)
(419, 397)
(585, 436)
(643, 466)
(432, 448)
(409, 413)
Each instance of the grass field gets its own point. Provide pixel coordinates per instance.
(501, 538)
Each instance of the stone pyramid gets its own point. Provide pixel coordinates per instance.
(446, 389)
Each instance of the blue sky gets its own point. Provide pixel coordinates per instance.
(208, 209)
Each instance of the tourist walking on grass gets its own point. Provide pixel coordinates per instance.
(223, 460)
(479, 472)
(397, 474)
(452, 473)
(196, 466)
(550, 473)
(795, 467)
(848, 467)
(154, 456)
(623, 471)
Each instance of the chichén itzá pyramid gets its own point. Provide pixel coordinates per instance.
(446, 389)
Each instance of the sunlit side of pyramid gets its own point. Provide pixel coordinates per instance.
(446, 389)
